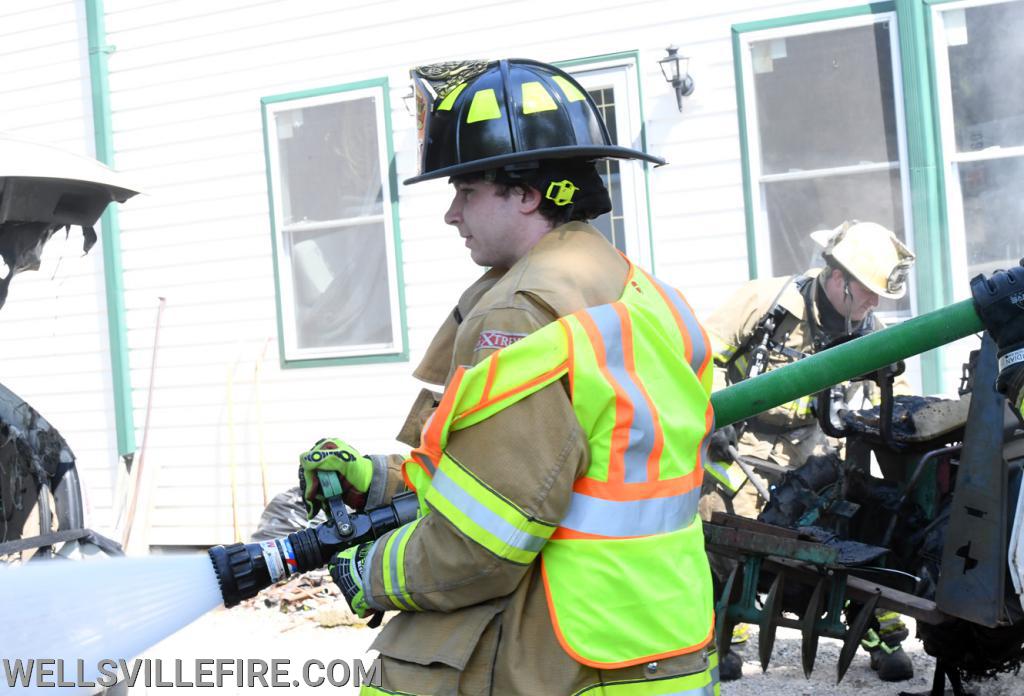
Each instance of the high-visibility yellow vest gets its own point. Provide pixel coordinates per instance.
(625, 571)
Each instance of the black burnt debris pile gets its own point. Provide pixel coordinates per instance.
(867, 422)
(899, 523)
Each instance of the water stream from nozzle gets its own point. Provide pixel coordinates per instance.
(116, 608)
(103, 609)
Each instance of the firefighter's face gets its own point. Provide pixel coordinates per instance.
(497, 226)
(854, 304)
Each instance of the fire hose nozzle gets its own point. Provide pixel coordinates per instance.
(243, 570)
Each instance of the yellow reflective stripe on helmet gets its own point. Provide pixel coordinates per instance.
(446, 103)
(484, 107)
(393, 567)
(536, 98)
(483, 515)
(572, 93)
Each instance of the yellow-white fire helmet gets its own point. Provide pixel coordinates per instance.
(870, 253)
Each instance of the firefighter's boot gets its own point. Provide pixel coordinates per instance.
(730, 667)
(884, 645)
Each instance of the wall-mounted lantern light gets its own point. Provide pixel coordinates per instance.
(409, 101)
(675, 68)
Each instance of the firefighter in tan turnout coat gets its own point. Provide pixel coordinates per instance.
(775, 321)
(558, 549)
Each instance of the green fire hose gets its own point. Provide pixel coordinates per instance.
(845, 361)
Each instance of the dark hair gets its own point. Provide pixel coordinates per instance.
(591, 199)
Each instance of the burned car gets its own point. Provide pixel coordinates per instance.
(43, 191)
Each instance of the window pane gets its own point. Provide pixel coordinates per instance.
(340, 281)
(992, 213)
(986, 53)
(825, 100)
(797, 208)
(330, 166)
(610, 224)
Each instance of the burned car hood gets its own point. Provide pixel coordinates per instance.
(43, 190)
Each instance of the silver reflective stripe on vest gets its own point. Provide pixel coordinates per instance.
(641, 431)
(700, 349)
(489, 520)
(631, 518)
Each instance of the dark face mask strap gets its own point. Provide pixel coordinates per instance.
(848, 301)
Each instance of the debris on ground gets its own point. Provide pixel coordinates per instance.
(311, 596)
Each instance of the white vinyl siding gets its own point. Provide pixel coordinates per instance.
(54, 348)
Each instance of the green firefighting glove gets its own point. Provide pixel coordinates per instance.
(999, 301)
(346, 568)
(334, 456)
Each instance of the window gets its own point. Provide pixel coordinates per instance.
(824, 129)
(612, 83)
(335, 223)
(978, 54)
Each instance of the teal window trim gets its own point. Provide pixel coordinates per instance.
(741, 112)
(814, 17)
(113, 275)
(934, 274)
(927, 204)
(401, 355)
(944, 295)
(634, 57)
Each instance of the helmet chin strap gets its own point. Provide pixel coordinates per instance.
(848, 302)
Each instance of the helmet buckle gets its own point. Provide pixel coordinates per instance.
(561, 192)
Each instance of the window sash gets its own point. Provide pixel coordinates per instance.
(758, 179)
(620, 75)
(952, 158)
(291, 350)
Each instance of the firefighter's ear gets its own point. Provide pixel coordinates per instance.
(530, 200)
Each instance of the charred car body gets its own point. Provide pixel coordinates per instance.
(43, 191)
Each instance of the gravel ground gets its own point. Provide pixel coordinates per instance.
(785, 676)
(266, 635)
(269, 634)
